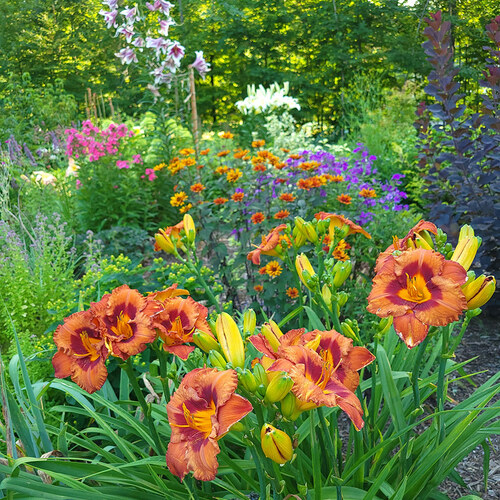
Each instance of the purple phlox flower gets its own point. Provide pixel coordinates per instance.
(165, 25)
(138, 42)
(127, 55)
(372, 157)
(109, 18)
(322, 193)
(122, 164)
(176, 51)
(369, 202)
(127, 31)
(130, 14)
(137, 159)
(200, 64)
(239, 190)
(364, 218)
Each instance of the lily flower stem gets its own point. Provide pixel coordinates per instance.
(163, 372)
(416, 372)
(458, 339)
(260, 472)
(331, 313)
(440, 394)
(127, 366)
(315, 460)
(328, 440)
(298, 283)
(372, 410)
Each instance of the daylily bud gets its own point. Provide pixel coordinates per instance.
(189, 228)
(260, 374)
(299, 237)
(341, 271)
(205, 341)
(479, 291)
(217, 360)
(466, 231)
(249, 322)
(311, 233)
(425, 236)
(276, 444)
(421, 242)
(323, 226)
(230, 340)
(238, 427)
(327, 295)
(272, 333)
(384, 325)
(211, 324)
(305, 271)
(248, 380)
(342, 298)
(288, 405)
(278, 388)
(164, 241)
(348, 331)
(341, 232)
(465, 251)
(299, 224)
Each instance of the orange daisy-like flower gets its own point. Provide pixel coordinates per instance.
(204, 152)
(222, 169)
(273, 269)
(238, 196)
(240, 153)
(262, 270)
(280, 180)
(186, 151)
(258, 144)
(418, 288)
(287, 197)
(260, 167)
(221, 154)
(124, 317)
(337, 178)
(186, 208)
(295, 157)
(201, 411)
(268, 245)
(177, 322)
(282, 214)
(258, 218)
(160, 166)
(344, 198)
(226, 135)
(187, 162)
(220, 201)
(304, 184)
(233, 174)
(82, 351)
(368, 193)
(258, 288)
(292, 292)
(340, 221)
(197, 188)
(339, 252)
(285, 150)
(178, 199)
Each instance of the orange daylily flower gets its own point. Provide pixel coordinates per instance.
(201, 411)
(82, 351)
(125, 320)
(418, 288)
(408, 242)
(340, 221)
(267, 246)
(176, 323)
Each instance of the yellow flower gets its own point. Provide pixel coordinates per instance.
(234, 174)
(273, 268)
(276, 444)
(178, 199)
(229, 337)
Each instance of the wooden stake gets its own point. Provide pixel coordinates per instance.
(194, 112)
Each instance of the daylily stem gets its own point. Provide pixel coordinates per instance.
(416, 372)
(315, 460)
(440, 396)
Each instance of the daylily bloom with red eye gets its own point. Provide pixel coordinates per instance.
(177, 322)
(340, 221)
(124, 316)
(82, 352)
(201, 411)
(418, 288)
(268, 245)
(417, 236)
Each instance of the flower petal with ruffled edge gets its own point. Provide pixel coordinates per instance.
(267, 246)
(339, 221)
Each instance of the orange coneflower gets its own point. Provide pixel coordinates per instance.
(282, 214)
(260, 167)
(233, 174)
(160, 166)
(258, 217)
(238, 196)
(226, 135)
(273, 269)
(292, 292)
(220, 201)
(204, 152)
(287, 197)
(295, 157)
(339, 252)
(258, 143)
(197, 188)
(280, 180)
(222, 169)
(418, 288)
(304, 184)
(336, 178)
(187, 162)
(285, 150)
(368, 193)
(344, 198)
(178, 199)
(186, 208)
(220, 154)
(240, 153)
(258, 288)
(262, 270)
(186, 151)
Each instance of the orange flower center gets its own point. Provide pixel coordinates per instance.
(416, 290)
(88, 344)
(123, 327)
(200, 420)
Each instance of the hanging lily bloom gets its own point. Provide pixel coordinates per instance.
(417, 237)
(82, 352)
(200, 64)
(339, 221)
(126, 55)
(418, 288)
(176, 51)
(109, 18)
(125, 321)
(165, 25)
(268, 245)
(176, 323)
(201, 411)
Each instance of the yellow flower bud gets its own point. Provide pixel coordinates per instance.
(248, 380)
(384, 325)
(189, 228)
(276, 444)
(278, 387)
(342, 298)
(348, 331)
(217, 360)
(272, 333)
(341, 271)
(230, 340)
(311, 233)
(260, 374)
(299, 237)
(465, 251)
(164, 241)
(205, 341)
(305, 271)
(424, 240)
(466, 231)
(288, 405)
(249, 321)
(327, 295)
(479, 291)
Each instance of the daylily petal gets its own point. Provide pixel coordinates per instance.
(89, 375)
(177, 459)
(202, 459)
(233, 411)
(62, 364)
(410, 329)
